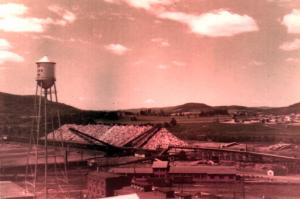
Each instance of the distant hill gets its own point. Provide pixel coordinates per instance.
(17, 113)
(200, 107)
(23, 106)
(191, 107)
(17, 110)
(188, 107)
(294, 108)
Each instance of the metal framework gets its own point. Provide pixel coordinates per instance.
(46, 118)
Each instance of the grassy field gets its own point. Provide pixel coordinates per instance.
(237, 132)
(212, 129)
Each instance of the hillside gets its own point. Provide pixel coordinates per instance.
(200, 108)
(191, 107)
(188, 107)
(13, 107)
(17, 112)
(23, 106)
(204, 108)
(294, 108)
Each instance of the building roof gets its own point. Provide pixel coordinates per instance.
(44, 59)
(141, 194)
(9, 189)
(178, 169)
(203, 169)
(160, 164)
(132, 170)
(103, 175)
(128, 196)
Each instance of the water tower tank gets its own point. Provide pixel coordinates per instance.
(45, 72)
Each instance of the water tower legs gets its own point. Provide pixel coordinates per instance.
(46, 141)
(46, 119)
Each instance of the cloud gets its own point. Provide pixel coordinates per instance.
(12, 9)
(178, 63)
(162, 42)
(147, 4)
(292, 21)
(117, 49)
(285, 3)
(292, 60)
(110, 1)
(59, 39)
(16, 24)
(280, 1)
(162, 67)
(256, 63)
(51, 38)
(149, 101)
(143, 4)
(6, 55)
(165, 44)
(13, 18)
(218, 23)
(290, 45)
(66, 15)
(78, 40)
(4, 44)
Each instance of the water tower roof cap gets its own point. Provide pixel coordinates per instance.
(44, 59)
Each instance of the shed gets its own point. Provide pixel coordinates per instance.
(158, 164)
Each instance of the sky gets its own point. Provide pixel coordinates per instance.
(118, 54)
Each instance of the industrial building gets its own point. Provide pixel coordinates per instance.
(103, 184)
(158, 177)
(180, 174)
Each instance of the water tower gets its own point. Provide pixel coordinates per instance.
(46, 119)
(45, 73)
